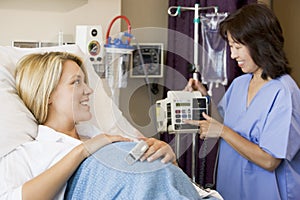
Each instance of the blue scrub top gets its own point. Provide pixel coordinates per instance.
(272, 121)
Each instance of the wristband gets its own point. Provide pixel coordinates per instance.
(208, 98)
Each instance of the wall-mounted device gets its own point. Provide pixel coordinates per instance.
(118, 52)
(177, 107)
(89, 39)
(152, 54)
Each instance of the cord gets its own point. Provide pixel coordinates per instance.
(148, 85)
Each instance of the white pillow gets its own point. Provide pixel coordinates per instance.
(17, 124)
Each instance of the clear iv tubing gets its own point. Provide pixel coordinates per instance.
(130, 36)
(146, 79)
(142, 61)
(196, 10)
(210, 85)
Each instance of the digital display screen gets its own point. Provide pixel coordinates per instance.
(182, 104)
(148, 58)
(199, 102)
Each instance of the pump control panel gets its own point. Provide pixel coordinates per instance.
(177, 107)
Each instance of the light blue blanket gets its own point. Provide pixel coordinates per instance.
(106, 175)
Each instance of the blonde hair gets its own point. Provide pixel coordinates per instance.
(37, 76)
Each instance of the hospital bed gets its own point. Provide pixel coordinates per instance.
(100, 176)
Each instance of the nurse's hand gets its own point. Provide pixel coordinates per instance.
(209, 128)
(195, 85)
(158, 149)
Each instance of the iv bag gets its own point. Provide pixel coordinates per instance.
(213, 62)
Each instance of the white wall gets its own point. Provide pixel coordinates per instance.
(149, 23)
(40, 24)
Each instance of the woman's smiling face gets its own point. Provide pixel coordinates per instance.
(69, 100)
(240, 53)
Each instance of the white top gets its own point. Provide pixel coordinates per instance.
(32, 158)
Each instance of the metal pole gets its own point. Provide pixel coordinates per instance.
(196, 36)
(177, 145)
(194, 157)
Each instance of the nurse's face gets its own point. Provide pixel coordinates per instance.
(241, 54)
(69, 101)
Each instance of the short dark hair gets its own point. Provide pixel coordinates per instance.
(257, 27)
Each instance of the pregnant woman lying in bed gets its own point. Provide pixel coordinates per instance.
(54, 88)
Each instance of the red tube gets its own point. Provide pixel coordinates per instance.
(111, 23)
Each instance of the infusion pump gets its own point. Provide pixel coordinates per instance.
(178, 106)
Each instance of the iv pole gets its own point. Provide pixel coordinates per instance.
(196, 10)
(196, 28)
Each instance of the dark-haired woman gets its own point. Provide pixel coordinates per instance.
(260, 135)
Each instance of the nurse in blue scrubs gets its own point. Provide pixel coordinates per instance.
(259, 155)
